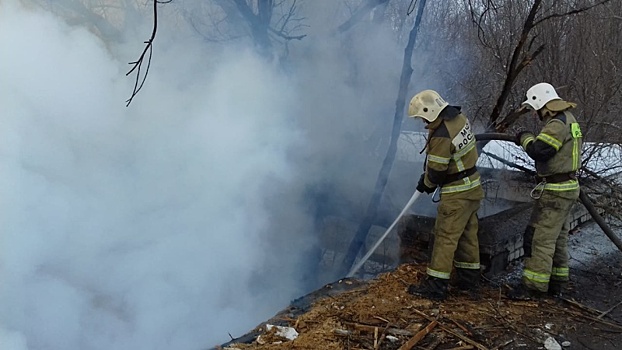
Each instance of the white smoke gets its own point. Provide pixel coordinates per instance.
(140, 227)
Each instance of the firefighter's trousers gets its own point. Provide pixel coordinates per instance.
(455, 235)
(545, 242)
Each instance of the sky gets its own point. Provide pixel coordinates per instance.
(185, 217)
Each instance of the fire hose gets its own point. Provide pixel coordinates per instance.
(492, 137)
(360, 263)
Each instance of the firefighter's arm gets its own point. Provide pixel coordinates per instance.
(439, 155)
(546, 144)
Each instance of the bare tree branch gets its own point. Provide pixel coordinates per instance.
(137, 65)
(359, 14)
(514, 67)
(259, 23)
(478, 19)
(287, 37)
(282, 31)
(509, 163)
(505, 123)
(571, 12)
(381, 180)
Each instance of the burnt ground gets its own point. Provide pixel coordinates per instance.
(596, 283)
(380, 314)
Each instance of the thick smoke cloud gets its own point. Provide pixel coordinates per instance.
(136, 228)
(187, 216)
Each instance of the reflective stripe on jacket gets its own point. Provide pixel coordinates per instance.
(451, 150)
(556, 150)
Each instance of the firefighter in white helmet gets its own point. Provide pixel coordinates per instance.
(556, 151)
(450, 166)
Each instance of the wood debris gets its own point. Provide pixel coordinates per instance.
(380, 314)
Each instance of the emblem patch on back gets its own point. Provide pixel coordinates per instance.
(464, 137)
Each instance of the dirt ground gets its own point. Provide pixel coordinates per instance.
(380, 314)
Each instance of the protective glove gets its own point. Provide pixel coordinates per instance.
(421, 186)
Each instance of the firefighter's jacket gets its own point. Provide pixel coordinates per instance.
(451, 153)
(556, 151)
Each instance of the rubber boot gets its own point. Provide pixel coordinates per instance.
(556, 289)
(431, 288)
(521, 292)
(467, 282)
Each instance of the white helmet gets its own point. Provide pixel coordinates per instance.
(427, 105)
(539, 95)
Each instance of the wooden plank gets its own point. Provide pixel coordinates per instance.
(420, 335)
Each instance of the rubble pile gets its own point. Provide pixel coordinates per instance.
(380, 314)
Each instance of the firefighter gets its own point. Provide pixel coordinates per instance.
(450, 167)
(556, 151)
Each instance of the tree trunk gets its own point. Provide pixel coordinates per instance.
(513, 70)
(259, 24)
(387, 164)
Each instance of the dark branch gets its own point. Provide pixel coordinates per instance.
(138, 64)
(359, 14)
(258, 23)
(527, 61)
(286, 19)
(512, 73)
(383, 175)
(572, 12)
(286, 37)
(477, 20)
(509, 163)
(505, 123)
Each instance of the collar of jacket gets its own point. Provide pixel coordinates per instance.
(559, 105)
(552, 108)
(448, 113)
